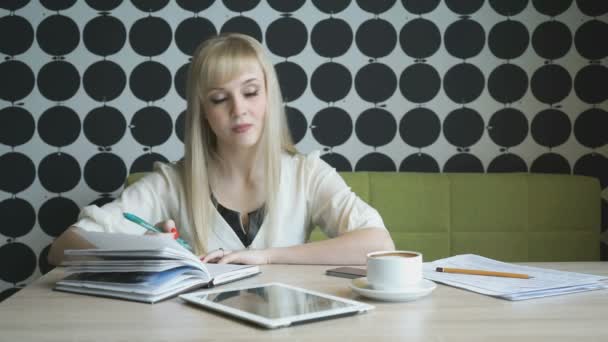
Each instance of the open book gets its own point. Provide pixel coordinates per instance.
(142, 268)
(543, 282)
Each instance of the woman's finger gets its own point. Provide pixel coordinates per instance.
(207, 258)
(165, 226)
(229, 259)
(169, 226)
(213, 256)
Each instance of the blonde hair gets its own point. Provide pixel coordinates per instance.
(216, 61)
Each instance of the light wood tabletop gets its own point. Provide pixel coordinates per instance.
(448, 314)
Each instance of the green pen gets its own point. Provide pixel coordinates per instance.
(148, 226)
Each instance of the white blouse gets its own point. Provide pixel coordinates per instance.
(311, 193)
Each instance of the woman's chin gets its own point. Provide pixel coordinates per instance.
(244, 143)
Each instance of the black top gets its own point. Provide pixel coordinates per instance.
(233, 218)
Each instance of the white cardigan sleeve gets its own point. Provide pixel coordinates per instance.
(334, 207)
(153, 198)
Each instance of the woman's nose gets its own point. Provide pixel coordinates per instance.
(238, 106)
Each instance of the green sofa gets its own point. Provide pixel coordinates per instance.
(506, 216)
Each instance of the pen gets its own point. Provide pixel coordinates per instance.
(148, 226)
(482, 272)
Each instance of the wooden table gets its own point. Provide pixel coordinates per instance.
(448, 314)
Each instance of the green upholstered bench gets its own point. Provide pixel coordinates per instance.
(506, 216)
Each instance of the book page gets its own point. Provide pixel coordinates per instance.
(219, 269)
(127, 253)
(117, 245)
(130, 242)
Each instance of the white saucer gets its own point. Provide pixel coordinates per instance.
(363, 288)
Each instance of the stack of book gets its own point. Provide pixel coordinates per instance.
(142, 268)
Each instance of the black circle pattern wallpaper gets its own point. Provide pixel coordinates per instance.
(93, 90)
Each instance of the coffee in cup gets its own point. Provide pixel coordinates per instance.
(393, 270)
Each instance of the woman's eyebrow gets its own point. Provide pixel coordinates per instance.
(250, 80)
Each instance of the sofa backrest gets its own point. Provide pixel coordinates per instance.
(506, 216)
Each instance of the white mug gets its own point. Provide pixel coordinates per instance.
(393, 270)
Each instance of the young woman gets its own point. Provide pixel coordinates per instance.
(242, 194)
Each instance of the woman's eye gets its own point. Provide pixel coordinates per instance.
(251, 93)
(218, 100)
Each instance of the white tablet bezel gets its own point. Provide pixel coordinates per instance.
(354, 306)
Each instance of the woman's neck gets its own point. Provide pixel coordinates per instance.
(239, 164)
(237, 180)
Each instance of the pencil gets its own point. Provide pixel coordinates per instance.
(482, 272)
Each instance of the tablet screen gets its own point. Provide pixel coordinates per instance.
(274, 301)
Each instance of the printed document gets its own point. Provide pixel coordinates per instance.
(544, 282)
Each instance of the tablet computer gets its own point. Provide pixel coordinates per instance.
(275, 305)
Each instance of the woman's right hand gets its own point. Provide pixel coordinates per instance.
(167, 228)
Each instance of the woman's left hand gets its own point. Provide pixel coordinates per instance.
(246, 256)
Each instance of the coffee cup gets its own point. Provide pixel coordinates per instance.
(393, 270)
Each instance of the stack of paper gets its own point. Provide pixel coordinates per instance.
(543, 282)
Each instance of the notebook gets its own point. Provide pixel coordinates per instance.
(142, 268)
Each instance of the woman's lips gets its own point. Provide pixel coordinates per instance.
(241, 128)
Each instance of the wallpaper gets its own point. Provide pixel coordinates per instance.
(93, 90)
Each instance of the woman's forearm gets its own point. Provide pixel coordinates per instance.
(347, 249)
(70, 239)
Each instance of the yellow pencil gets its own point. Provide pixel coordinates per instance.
(482, 272)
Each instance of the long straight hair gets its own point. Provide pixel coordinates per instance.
(216, 61)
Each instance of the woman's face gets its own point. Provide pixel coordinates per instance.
(236, 109)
